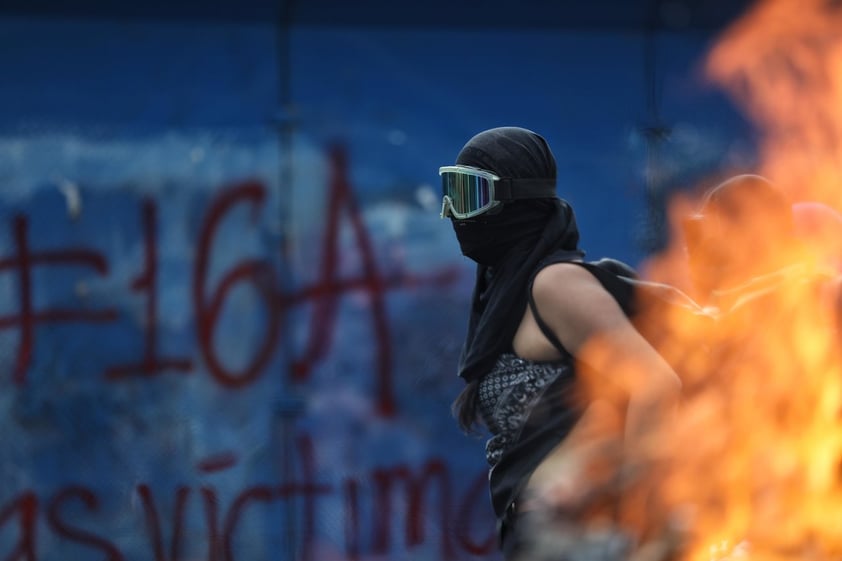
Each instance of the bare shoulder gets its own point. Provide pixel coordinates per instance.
(564, 281)
(574, 303)
(561, 271)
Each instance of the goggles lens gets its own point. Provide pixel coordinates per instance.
(466, 192)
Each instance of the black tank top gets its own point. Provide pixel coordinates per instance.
(529, 407)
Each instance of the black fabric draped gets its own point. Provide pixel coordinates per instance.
(499, 297)
(508, 244)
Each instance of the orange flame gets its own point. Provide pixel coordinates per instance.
(783, 63)
(751, 465)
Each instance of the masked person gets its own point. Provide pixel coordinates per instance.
(739, 241)
(760, 265)
(541, 315)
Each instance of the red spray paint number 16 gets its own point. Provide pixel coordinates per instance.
(209, 301)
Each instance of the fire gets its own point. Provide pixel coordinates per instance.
(751, 463)
(783, 62)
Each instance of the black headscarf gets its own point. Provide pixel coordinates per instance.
(508, 245)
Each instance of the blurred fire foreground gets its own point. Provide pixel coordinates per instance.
(750, 465)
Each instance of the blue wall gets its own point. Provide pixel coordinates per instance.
(220, 342)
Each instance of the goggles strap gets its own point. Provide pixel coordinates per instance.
(446, 207)
(508, 189)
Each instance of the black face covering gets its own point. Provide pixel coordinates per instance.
(489, 239)
(478, 245)
(509, 244)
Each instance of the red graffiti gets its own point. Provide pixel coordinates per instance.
(209, 300)
(26, 508)
(382, 496)
(476, 494)
(208, 306)
(217, 462)
(65, 529)
(221, 530)
(153, 525)
(329, 288)
(430, 483)
(28, 318)
(325, 292)
(147, 281)
(322, 326)
(428, 491)
(306, 454)
(385, 480)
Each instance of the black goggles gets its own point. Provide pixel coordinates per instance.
(469, 191)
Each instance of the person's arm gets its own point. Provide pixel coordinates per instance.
(592, 326)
